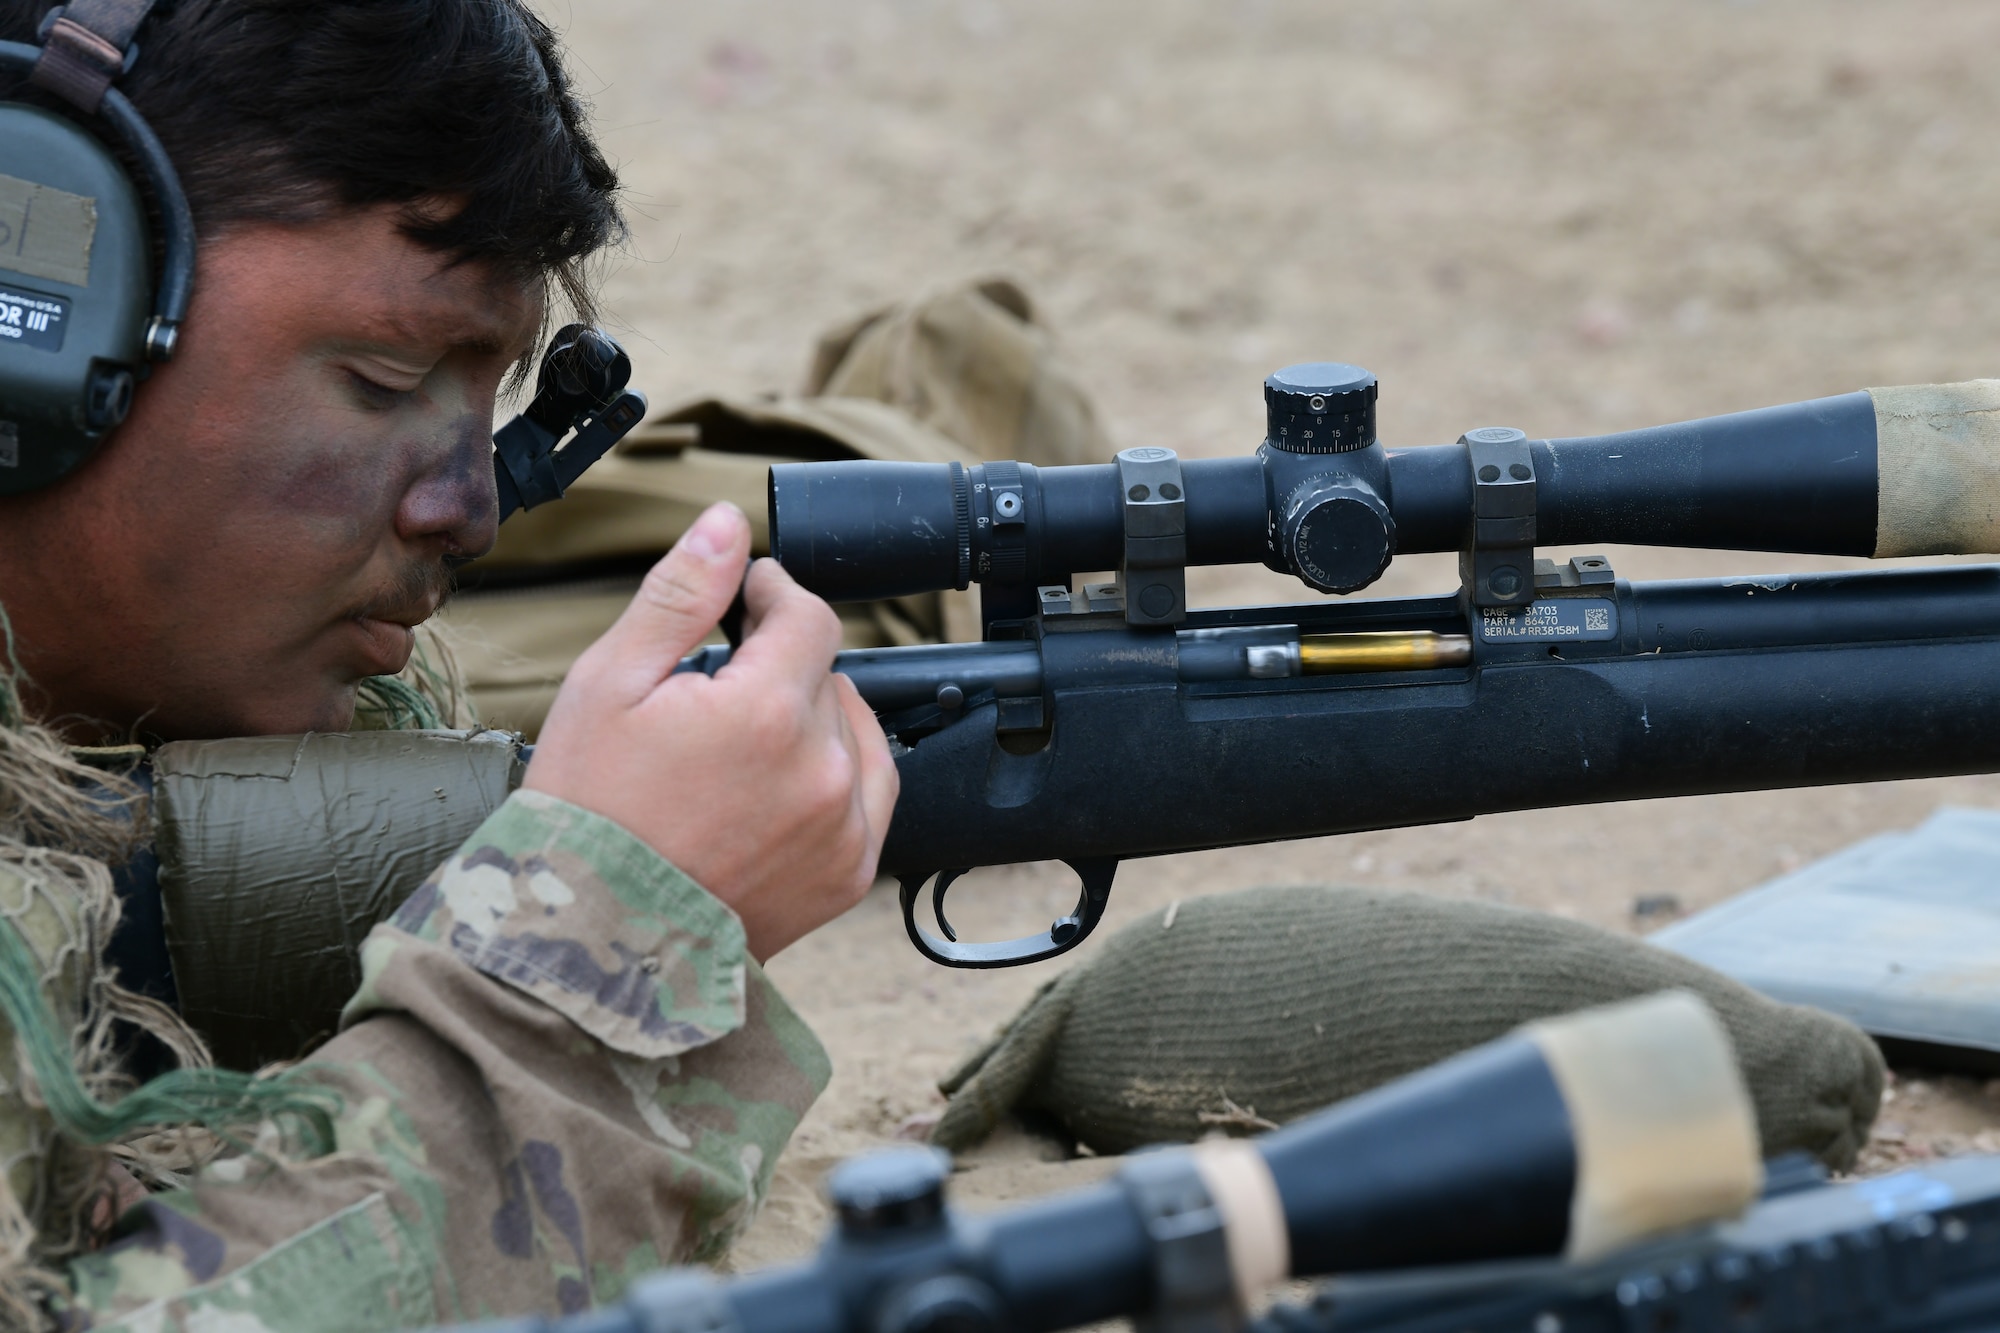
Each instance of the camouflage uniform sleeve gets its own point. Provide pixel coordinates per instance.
(562, 1069)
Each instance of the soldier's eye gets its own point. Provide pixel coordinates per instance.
(375, 393)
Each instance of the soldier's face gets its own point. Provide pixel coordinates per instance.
(276, 514)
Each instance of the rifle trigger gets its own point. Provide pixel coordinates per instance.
(1096, 873)
(945, 879)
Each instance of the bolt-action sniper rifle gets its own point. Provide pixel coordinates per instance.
(1110, 721)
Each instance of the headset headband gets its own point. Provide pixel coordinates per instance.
(85, 45)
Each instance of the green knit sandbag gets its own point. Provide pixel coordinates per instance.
(1245, 1010)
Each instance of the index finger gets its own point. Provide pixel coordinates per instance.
(881, 783)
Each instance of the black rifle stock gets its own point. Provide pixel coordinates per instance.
(1107, 722)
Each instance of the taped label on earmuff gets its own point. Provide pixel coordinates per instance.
(33, 319)
(46, 232)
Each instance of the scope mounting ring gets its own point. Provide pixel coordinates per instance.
(1153, 500)
(1497, 566)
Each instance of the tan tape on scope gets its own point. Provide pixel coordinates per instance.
(1665, 1134)
(1240, 1184)
(1937, 450)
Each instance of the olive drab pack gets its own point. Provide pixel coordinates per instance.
(967, 373)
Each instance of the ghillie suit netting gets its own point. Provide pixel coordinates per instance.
(73, 1125)
(428, 694)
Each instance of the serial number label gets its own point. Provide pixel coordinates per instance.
(1549, 621)
(34, 319)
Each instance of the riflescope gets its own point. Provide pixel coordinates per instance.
(1324, 500)
(1577, 1136)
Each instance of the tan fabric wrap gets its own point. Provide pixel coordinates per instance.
(1937, 449)
(973, 362)
(1253, 1216)
(278, 854)
(1665, 1135)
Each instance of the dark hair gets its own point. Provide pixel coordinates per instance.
(277, 110)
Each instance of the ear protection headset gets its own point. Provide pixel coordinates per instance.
(81, 318)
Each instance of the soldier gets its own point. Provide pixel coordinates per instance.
(564, 1065)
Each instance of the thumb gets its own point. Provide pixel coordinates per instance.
(682, 597)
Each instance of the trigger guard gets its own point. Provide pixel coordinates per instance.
(1064, 934)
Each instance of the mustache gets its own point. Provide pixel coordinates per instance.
(419, 591)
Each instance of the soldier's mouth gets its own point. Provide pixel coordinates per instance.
(387, 622)
(385, 645)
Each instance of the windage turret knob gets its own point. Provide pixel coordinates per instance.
(893, 1190)
(1320, 407)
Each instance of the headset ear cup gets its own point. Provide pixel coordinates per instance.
(75, 303)
(82, 309)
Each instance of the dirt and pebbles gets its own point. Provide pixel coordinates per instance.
(1567, 215)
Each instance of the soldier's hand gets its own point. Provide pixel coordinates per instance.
(770, 782)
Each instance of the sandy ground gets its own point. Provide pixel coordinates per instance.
(1567, 215)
